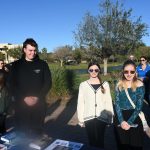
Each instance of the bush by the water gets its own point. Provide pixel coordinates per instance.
(64, 83)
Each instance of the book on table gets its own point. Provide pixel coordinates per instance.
(14, 139)
(9, 137)
(64, 145)
(40, 143)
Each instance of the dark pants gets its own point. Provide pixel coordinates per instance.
(128, 147)
(2, 123)
(131, 139)
(30, 119)
(125, 146)
(95, 131)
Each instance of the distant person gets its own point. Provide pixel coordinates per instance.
(128, 126)
(131, 57)
(94, 108)
(30, 81)
(4, 102)
(2, 66)
(142, 70)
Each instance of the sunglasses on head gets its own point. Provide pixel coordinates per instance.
(129, 71)
(96, 70)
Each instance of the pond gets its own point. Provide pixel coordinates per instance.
(109, 69)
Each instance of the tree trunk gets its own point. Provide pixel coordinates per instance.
(61, 63)
(105, 65)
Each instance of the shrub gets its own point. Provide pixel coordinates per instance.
(63, 84)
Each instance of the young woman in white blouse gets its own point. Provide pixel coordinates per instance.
(94, 108)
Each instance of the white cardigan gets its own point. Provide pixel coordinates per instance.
(92, 103)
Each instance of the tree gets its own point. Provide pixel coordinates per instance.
(6, 52)
(112, 31)
(15, 52)
(2, 56)
(142, 51)
(77, 55)
(63, 53)
(44, 54)
(50, 57)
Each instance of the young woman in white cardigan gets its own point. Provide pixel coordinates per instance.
(94, 108)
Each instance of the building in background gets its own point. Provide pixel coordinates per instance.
(4, 47)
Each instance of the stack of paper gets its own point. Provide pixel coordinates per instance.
(64, 145)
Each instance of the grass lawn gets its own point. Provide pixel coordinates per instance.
(79, 66)
(110, 77)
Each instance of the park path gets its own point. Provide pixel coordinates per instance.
(61, 123)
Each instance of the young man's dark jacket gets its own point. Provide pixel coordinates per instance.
(29, 78)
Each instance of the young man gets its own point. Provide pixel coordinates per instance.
(30, 81)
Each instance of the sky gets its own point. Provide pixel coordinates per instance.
(52, 22)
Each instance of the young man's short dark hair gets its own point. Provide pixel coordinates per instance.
(31, 42)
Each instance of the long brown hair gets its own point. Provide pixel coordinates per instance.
(121, 84)
(95, 63)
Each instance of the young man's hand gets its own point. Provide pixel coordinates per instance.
(31, 100)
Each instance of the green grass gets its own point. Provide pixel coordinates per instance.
(65, 82)
(70, 67)
(78, 66)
